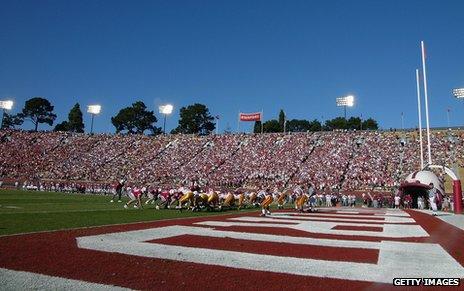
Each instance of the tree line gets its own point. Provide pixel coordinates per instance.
(134, 119)
(194, 119)
(302, 125)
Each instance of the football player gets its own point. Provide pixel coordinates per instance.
(152, 194)
(433, 198)
(187, 197)
(135, 196)
(268, 199)
(119, 187)
(229, 200)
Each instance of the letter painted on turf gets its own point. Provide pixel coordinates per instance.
(395, 258)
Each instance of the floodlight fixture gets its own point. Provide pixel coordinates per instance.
(345, 101)
(93, 110)
(166, 110)
(458, 93)
(349, 100)
(6, 105)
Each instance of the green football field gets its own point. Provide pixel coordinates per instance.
(22, 211)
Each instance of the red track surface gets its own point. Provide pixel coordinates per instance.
(57, 254)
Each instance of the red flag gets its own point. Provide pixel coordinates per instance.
(250, 116)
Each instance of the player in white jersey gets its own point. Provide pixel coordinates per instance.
(397, 201)
(433, 197)
(135, 197)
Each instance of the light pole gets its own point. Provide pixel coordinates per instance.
(93, 110)
(5, 105)
(322, 123)
(361, 123)
(448, 117)
(217, 124)
(458, 93)
(166, 110)
(402, 121)
(346, 101)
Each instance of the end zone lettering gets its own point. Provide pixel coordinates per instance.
(407, 281)
(441, 281)
(426, 281)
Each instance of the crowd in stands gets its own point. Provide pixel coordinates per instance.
(343, 160)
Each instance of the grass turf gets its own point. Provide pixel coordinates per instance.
(22, 211)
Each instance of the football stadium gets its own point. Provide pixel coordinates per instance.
(352, 181)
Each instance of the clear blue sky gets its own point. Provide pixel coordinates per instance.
(234, 55)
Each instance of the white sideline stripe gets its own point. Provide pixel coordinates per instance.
(394, 212)
(372, 211)
(387, 220)
(352, 210)
(388, 230)
(319, 214)
(293, 221)
(20, 280)
(64, 211)
(396, 259)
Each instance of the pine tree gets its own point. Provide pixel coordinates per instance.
(282, 120)
(75, 121)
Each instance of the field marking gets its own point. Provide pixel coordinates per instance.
(10, 207)
(388, 230)
(361, 211)
(175, 230)
(332, 214)
(423, 259)
(71, 210)
(387, 220)
(20, 280)
(347, 212)
(129, 223)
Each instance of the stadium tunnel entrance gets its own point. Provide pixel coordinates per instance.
(416, 191)
(418, 183)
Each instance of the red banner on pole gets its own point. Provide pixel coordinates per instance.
(250, 116)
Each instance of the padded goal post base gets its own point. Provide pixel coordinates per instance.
(457, 195)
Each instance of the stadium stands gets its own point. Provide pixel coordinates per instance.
(348, 160)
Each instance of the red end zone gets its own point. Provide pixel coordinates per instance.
(245, 251)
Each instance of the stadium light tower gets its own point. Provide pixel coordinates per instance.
(458, 93)
(93, 110)
(5, 105)
(346, 101)
(166, 110)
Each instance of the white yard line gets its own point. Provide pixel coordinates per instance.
(20, 280)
